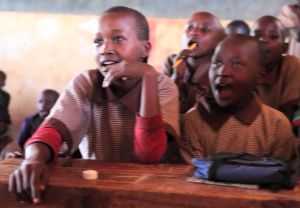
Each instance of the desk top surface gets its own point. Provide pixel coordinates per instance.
(139, 185)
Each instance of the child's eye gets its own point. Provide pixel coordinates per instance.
(118, 38)
(216, 63)
(205, 29)
(98, 41)
(189, 28)
(273, 36)
(236, 64)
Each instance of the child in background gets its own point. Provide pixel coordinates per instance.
(4, 96)
(46, 100)
(237, 27)
(238, 122)
(122, 111)
(206, 31)
(280, 87)
(7, 145)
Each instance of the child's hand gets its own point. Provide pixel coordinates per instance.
(26, 183)
(179, 70)
(12, 150)
(125, 70)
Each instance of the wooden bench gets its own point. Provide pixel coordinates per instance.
(137, 185)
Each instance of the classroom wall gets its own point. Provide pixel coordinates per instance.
(44, 45)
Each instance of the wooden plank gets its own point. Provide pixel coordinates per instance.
(138, 185)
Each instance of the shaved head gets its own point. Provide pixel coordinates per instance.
(212, 20)
(271, 19)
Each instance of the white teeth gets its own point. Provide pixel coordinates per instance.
(108, 62)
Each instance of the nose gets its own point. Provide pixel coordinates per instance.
(44, 105)
(194, 32)
(224, 70)
(106, 48)
(263, 39)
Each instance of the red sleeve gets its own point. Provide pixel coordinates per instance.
(295, 123)
(48, 135)
(150, 140)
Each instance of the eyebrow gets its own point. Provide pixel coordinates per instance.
(204, 23)
(113, 31)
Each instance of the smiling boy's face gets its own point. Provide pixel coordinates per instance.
(270, 31)
(116, 40)
(205, 30)
(234, 71)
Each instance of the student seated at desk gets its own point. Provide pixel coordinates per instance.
(4, 96)
(122, 111)
(238, 122)
(46, 100)
(280, 86)
(7, 145)
(206, 31)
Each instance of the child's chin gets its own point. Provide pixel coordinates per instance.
(224, 104)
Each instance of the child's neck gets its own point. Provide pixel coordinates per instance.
(195, 63)
(121, 88)
(273, 65)
(236, 108)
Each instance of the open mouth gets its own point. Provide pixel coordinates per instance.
(108, 63)
(223, 89)
(192, 42)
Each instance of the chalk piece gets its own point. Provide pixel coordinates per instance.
(90, 174)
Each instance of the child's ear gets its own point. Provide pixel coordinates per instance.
(146, 48)
(285, 47)
(260, 74)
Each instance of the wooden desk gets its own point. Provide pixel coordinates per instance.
(136, 185)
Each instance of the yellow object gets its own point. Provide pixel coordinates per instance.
(180, 60)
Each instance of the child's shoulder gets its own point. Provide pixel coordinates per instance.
(4, 93)
(88, 74)
(87, 77)
(192, 115)
(170, 58)
(165, 84)
(167, 65)
(275, 116)
(289, 62)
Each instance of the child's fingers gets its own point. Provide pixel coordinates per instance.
(35, 184)
(184, 53)
(12, 188)
(105, 69)
(111, 76)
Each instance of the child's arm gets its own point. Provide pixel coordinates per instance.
(291, 87)
(72, 109)
(9, 149)
(7, 146)
(186, 94)
(285, 146)
(150, 138)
